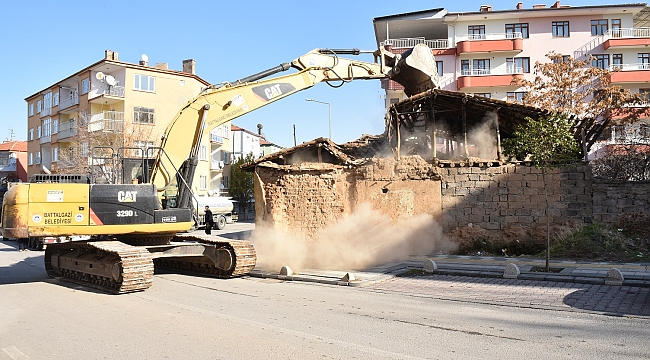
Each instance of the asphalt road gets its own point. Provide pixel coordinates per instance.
(183, 317)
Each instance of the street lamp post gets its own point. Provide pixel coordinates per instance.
(329, 108)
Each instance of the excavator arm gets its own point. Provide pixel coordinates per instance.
(415, 70)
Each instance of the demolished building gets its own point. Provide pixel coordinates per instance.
(426, 162)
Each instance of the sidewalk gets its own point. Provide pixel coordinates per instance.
(634, 274)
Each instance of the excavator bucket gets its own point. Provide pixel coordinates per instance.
(414, 69)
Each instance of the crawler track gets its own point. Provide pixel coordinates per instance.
(131, 268)
(243, 253)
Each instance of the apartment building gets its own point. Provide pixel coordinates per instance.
(116, 103)
(481, 52)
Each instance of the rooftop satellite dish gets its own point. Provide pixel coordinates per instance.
(110, 80)
(99, 76)
(145, 58)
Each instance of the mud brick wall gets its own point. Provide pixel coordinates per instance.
(611, 199)
(307, 199)
(496, 198)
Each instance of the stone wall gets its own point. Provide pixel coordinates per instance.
(614, 198)
(495, 198)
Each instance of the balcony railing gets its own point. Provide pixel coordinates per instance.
(117, 91)
(217, 165)
(628, 33)
(493, 36)
(45, 139)
(67, 129)
(67, 102)
(407, 43)
(510, 70)
(629, 67)
(46, 112)
(445, 80)
(106, 121)
(216, 138)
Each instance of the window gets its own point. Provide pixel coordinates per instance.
(84, 148)
(600, 61)
(144, 83)
(55, 154)
(31, 109)
(38, 132)
(616, 28)
(560, 29)
(37, 158)
(203, 182)
(476, 31)
(517, 96)
(47, 100)
(563, 58)
(439, 68)
(47, 127)
(644, 61)
(225, 157)
(39, 106)
(617, 61)
(516, 65)
(203, 153)
(485, 95)
(30, 159)
(598, 27)
(224, 182)
(31, 134)
(85, 86)
(143, 115)
(56, 99)
(394, 100)
(143, 145)
(55, 126)
(518, 28)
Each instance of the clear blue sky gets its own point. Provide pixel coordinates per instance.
(42, 42)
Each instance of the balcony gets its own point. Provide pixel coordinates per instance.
(629, 73)
(46, 112)
(485, 43)
(488, 77)
(407, 43)
(67, 129)
(69, 101)
(217, 165)
(630, 38)
(218, 139)
(107, 121)
(45, 139)
(110, 95)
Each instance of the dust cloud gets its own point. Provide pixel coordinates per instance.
(363, 239)
(484, 137)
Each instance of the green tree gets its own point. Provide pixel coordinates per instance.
(547, 142)
(241, 182)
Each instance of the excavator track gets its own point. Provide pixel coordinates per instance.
(125, 268)
(243, 253)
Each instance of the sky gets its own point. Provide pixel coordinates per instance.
(42, 42)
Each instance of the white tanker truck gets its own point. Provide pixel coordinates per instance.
(221, 208)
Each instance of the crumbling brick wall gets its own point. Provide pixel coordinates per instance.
(495, 198)
(309, 197)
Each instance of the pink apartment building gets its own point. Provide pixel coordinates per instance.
(481, 52)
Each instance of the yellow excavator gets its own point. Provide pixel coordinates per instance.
(129, 230)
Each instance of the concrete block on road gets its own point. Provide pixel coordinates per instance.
(286, 271)
(614, 277)
(430, 266)
(511, 271)
(348, 277)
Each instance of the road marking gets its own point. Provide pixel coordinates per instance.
(14, 353)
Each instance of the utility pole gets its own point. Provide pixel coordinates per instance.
(294, 134)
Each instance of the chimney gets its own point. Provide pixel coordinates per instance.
(110, 55)
(485, 8)
(162, 66)
(520, 5)
(189, 66)
(556, 5)
(540, 6)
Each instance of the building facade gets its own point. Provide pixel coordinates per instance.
(482, 52)
(121, 105)
(13, 160)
